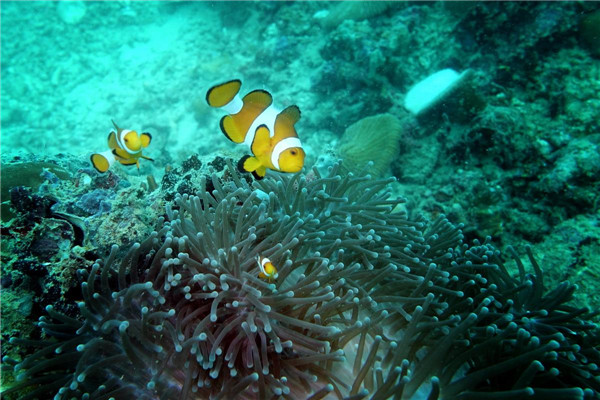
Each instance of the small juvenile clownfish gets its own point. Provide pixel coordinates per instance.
(267, 269)
(125, 147)
(268, 132)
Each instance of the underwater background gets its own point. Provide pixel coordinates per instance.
(481, 279)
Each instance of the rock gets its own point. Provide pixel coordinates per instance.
(71, 12)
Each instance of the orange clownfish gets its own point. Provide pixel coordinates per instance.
(267, 269)
(268, 132)
(125, 147)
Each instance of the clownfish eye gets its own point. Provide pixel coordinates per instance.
(294, 152)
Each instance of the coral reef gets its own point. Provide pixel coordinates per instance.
(29, 174)
(353, 10)
(372, 139)
(478, 324)
(589, 31)
(96, 202)
(59, 222)
(366, 302)
(575, 175)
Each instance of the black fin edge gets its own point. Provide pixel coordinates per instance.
(114, 151)
(220, 84)
(296, 107)
(260, 91)
(240, 164)
(149, 135)
(223, 128)
(94, 165)
(254, 138)
(257, 176)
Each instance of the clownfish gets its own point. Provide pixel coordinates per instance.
(125, 147)
(267, 269)
(268, 132)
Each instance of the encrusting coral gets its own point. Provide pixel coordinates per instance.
(372, 139)
(366, 303)
(355, 11)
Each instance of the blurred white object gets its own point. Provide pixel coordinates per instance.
(432, 89)
(71, 12)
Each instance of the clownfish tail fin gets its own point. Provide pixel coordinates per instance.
(221, 94)
(99, 163)
(102, 161)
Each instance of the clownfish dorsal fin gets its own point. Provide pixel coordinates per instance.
(290, 115)
(220, 95)
(116, 127)
(284, 123)
(259, 99)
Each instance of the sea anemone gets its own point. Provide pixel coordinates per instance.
(365, 302)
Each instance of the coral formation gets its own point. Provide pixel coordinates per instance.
(579, 162)
(589, 31)
(372, 139)
(355, 10)
(525, 169)
(366, 302)
(95, 202)
(29, 174)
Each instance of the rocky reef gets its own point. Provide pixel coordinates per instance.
(366, 302)
(451, 254)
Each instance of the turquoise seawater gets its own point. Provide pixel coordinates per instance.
(482, 117)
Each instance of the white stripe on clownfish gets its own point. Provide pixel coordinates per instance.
(125, 147)
(234, 106)
(267, 269)
(282, 146)
(260, 126)
(121, 142)
(110, 157)
(266, 118)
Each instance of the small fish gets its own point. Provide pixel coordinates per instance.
(267, 269)
(125, 147)
(268, 132)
